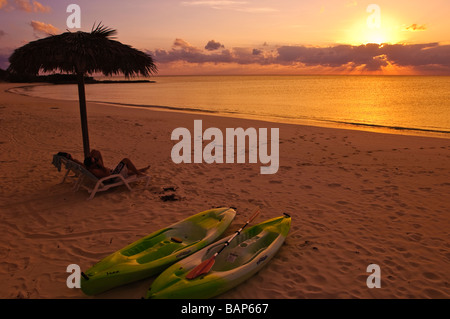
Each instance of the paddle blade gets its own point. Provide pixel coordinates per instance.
(206, 266)
(201, 269)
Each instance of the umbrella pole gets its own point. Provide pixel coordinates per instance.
(83, 114)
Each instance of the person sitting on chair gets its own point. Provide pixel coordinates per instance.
(69, 157)
(94, 163)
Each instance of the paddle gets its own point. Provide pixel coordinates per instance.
(206, 266)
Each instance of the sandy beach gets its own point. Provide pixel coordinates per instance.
(356, 198)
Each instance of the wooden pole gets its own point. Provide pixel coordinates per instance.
(83, 114)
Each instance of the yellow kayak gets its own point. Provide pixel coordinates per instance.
(157, 251)
(245, 255)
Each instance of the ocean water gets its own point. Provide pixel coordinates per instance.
(397, 104)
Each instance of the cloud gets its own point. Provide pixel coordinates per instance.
(242, 6)
(3, 4)
(369, 57)
(213, 45)
(419, 55)
(415, 27)
(24, 5)
(257, 52)
(184, 46)
(41, 28)
(215, 4)
(182, 51)
(257, 9)
(39, 7)
(2, 33)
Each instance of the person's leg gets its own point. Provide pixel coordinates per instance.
(132, 170)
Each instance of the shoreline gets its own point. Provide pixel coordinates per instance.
(375, 128)
(356, 198)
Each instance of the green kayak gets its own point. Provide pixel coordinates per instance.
(157, 251)
(246, 255)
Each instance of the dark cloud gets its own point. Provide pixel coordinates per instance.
(213, 45)
(191, 56)
(416, 27)
(370, 57)
(257, 52)
(418, 55)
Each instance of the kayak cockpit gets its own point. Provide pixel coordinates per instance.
(243, 249)
(165, 242)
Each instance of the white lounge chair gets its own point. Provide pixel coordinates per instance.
(90, 182)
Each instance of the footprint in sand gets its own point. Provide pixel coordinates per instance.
(415, 236)
(319, 279)
(313, 289)
(334, 185)
(434, 294)
(431, 276)
(7, 267)
(275, 182)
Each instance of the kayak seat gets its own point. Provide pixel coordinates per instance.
(160, 245)
(187, 234)
(243, 249)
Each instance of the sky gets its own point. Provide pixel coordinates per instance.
(254, 37)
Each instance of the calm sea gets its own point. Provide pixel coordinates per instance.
(399, 104)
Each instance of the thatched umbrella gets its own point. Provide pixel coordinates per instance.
(82, 53)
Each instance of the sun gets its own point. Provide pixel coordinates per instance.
(376, 36)
(360, 33)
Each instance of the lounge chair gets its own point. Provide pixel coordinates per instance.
(88, 181)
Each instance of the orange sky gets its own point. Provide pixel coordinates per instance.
(255, 37)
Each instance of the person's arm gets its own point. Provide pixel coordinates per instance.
(96, 154)
(100, 172)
